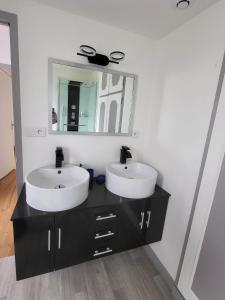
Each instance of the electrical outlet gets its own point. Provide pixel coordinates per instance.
(35, 131)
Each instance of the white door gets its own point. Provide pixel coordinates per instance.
(204, 202)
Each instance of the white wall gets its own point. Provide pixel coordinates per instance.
(45, 32)
(5, 57)
(176, 106)
(7, 160)
(187, 67)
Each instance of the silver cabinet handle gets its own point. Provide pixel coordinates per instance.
(149, 217)
(142, 220)
(49, 240)
(108, 250)
(99, 236)
(110, 216)
(59, 238)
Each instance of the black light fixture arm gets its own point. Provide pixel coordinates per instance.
(100, 59)
(114, 62)
(81, 54)
(86, 55)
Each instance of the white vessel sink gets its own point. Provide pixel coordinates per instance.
(132, 180)
(51, 189)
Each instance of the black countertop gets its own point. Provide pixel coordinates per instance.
(98, 196)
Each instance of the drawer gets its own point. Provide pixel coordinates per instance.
(104, 219)
(99, 238)
(103, 250)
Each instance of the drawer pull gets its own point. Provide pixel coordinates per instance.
(149, 217)
(99, 236)
(110, 216)
(97, 253)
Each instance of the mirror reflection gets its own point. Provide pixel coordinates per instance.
(86, 100)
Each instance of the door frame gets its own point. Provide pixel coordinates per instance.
(11, 20)
(206, 194)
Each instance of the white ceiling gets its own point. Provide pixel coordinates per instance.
(152, 18)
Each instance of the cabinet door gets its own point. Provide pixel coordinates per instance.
(132, 223)
(155, 218)
(72, 242)
(34, 247)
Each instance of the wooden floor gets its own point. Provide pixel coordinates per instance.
(7, 204)
(128, 275)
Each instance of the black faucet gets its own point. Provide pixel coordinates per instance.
(59, 157)
(124, 154)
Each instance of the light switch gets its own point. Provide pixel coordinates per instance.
(35, 131)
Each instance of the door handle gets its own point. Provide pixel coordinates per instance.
(149, 217)
(49, 240)
(142, 220)
(59, 238)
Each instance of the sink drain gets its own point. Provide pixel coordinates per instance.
(59, 186)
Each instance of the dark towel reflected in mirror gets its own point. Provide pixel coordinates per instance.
(54, 116)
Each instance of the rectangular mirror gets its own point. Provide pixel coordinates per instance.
(90, 100)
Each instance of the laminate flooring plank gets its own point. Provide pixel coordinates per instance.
(144, 279)
(81, 296)
(73, 282)
(128, 275)
(7, 275)
(8, 198)
(125, 278)
(97, 281)
(139, 253)
(163, 287)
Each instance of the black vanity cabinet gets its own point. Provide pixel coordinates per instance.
(104, 224)
(34, 246)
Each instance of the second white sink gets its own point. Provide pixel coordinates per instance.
(132, 180)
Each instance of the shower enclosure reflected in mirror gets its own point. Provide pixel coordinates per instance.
(88, 100)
